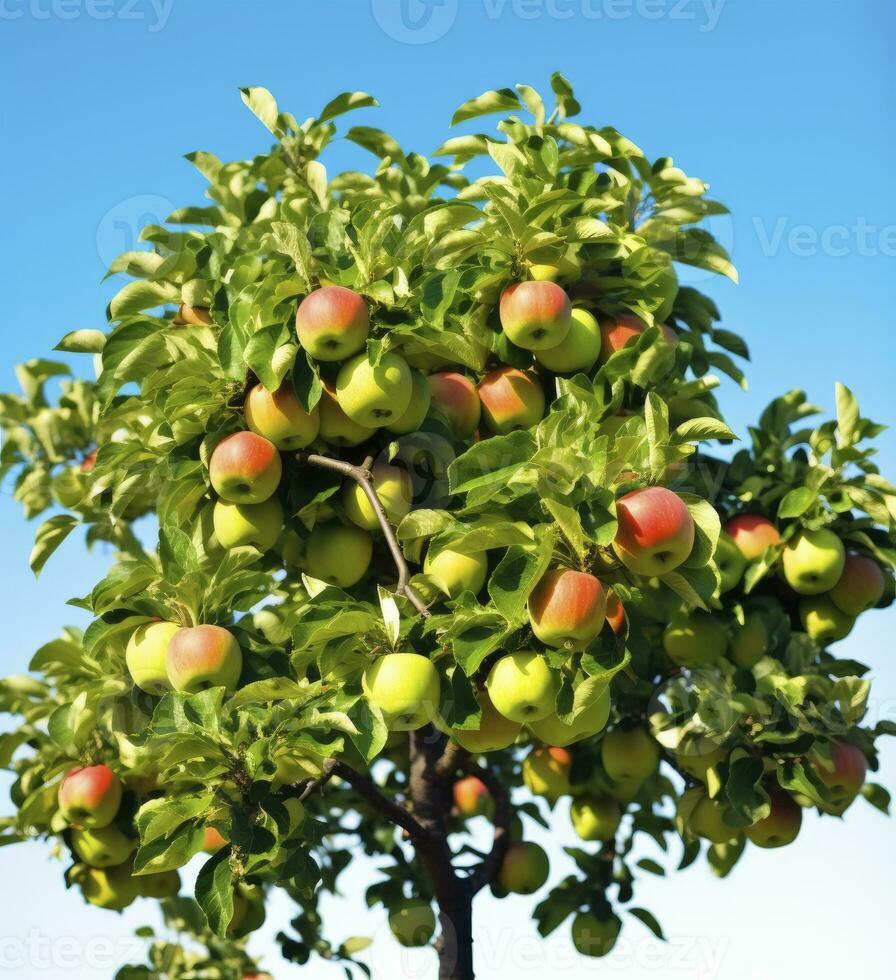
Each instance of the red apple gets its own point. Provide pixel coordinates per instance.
(90, 796)
(245, 468)
(332, 323)
(782, 824)
(860, 586)
(213, 840)
(615, 611)
(279, 417)
(844, 774)
(752, 534)
(656, 531)
(457, 399)
(618, 331)
(511, 399)
(567, 608)
(200, 657)
(535, 315)
(472, 798)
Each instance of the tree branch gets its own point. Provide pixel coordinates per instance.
(363, 476)
(487, 870)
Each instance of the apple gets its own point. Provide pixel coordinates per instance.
(889, 594)
(338, 553)
(595, 817)
(860, 586)
(523, 687)
(511, 399)
(567, 267)
(280, 418)
(553, 731)
(546, 772)
(592, 936)
(163, 884)
(706, 820)
(412, 922)
(697, 754)
(245, 468)
(336, 428)
(495, 731)
(749, 643)
(456, 398)
(248, 911)
(472, 798)
(843, 774)
(782, 824)
(374, 394)
(89, 796)
(418, 408)
(567, 608)
(406, 689)
(695, 639)
(813, 561)
(201, 657)
(656, 531)
(629, 754)
(394, 489)
(617, 332)
(213, 840)
(242, 525)
(730, 562)
(824, 621)
(525, 868)
(535, 315)
(103, 847)
(455, 573)
(332, 323)
(752, 534)
(109, 888)
(146, 656)
(578, 351)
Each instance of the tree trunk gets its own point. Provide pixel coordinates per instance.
(456, 949)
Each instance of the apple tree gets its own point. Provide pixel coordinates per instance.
(422, 508)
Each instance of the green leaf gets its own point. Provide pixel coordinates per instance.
(82, 342)
(346, 102)
(847, 414)
(264, 105)
(644, 916)
(517, 575)
(49, 536)
(496, 100)
(702, 430)
(796, 502)
(214, 891)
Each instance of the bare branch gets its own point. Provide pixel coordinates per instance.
(487, 870)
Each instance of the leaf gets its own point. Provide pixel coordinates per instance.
(172, 851)
(847, 413)
(264, 105)
(391, 615)
(214, 891)
(82, 342)
(517, 575)
(702, 430)
(371, 732)
(346, 102)
(266, 691)
(49, 536)
(644, 916)
(495, 100)
(796, 502)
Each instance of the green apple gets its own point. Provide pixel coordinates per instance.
(406, 689)
(455, 573)
(782, 824)
(332, 323)
(89, 796)
(567, 267)
(535, 315)
(279, 416)
(412, 922)
(393, 487)
(202, 657)
(697, 754)
(245, 468)
(374, 395)
(164, 884)
(523, 687)
(417, 410)
(696, 639)
(336, 428)
(146, 656)
(546, 772)
(495, 731)
(824, 621)
(656, 531)
(749, 643)
(888, 596)
(109, 888)
(592, 936)
(595, 818)
(629, 754)
(730, 561)
(860, 586)
(578, 351)
(244, 525)
(553, 731)
(338, 553)
(472, 798)
(813, 561)
(567, 608)
(707, 820)
(104, 847)
(525, 868)
(248, 911)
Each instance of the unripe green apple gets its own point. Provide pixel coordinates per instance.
(372, 394)
(455, 573)
(823, 621)
(782, 824)
(553, 731)
(523, 687)
(592, 936)
(696, 639)
(417, 410)
(578, 351)
(567, 608)
(730, 561)
(860, 586)
(394, 490)
(535, 315)
(279, 417)
(568, 267)
(164, 884)
(245, 468)
(629, 754)
(546, 772)
(456, 398)
(813, 561)
(889, 594)
(69, 486)
(749, 643)
(412, 922)
(406, 689)
(336, 428)
(595, 817)
(202, 657)
(104, 847)
(109, 888)
(147, 656)
(511, 399)
(89, 796)
(843, 774)
(338, 553)
(525, 868)
(472, 798)
(707, 820)
(248, 911)
(656, 531)
(495, 731)
(697, 754)
(244, 525)
(752, 534)
(332, 323)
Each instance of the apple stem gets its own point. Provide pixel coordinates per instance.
(363, 476)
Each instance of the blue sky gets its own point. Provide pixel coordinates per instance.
(784, 108)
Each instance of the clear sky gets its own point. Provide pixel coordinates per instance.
(784, 107)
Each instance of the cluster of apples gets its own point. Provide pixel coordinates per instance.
(163, 656)
(103, 840)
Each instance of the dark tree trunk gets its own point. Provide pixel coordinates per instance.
(456, 948)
